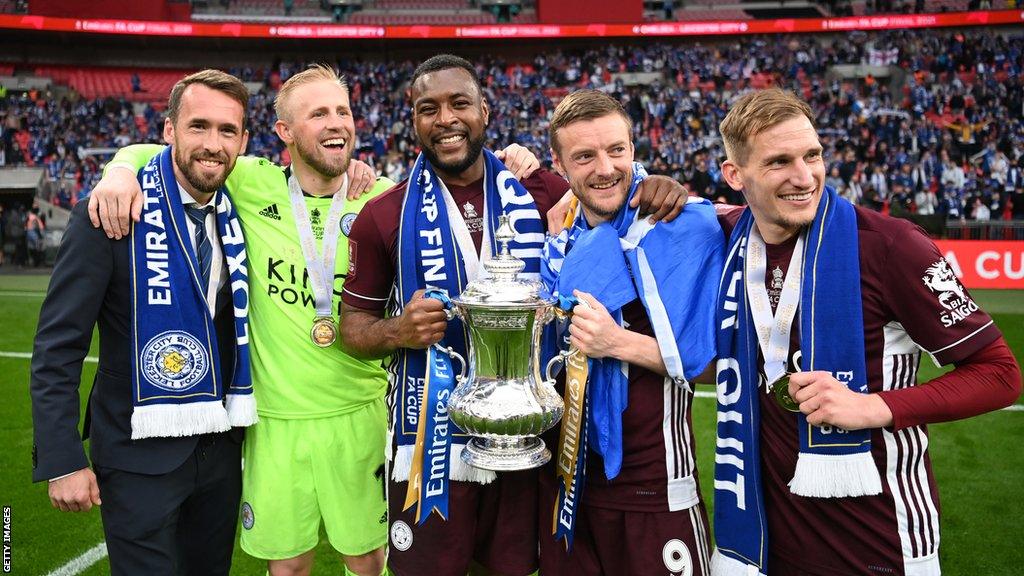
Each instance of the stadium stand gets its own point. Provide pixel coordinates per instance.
(153, 85)
(934, 129)
(293, 11)
(13, 6)
(867, 7)
(698, 13)
(527, 16)
(420, 18)
(700, 10)
(419, 4)
(369, 12)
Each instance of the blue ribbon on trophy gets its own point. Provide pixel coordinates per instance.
(428, 477)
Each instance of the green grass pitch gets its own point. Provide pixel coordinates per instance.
(978, 462)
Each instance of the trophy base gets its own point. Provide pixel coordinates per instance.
(506, 455)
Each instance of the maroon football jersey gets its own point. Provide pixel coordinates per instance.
(911, 301)
(659, 471)
(648, 519)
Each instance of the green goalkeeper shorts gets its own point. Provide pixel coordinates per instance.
(297, 472)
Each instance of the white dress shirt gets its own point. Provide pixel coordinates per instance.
(218, 271)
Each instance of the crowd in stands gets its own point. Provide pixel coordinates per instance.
(945, 137)
(70, 137)
(869, 7)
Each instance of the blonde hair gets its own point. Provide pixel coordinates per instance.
(214, 80)
(315, 73)
(585, 105)
(754, 113)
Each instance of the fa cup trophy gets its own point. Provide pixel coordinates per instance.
(502, 400)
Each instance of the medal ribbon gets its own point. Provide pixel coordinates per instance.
(428, 474)
(773, 330)
(320, 268)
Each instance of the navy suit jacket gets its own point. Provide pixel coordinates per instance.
(90, 286)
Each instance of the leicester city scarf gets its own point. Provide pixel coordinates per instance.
(832, 462)
(178, 390)
(430, 256)
(677, 262)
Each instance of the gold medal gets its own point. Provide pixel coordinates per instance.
(781, 388)
(324, 332)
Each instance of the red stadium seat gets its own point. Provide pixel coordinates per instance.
(114, 82)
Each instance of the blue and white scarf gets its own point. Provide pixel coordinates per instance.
(430, 256)
(832, 462)
(176, 368)
(677, 262)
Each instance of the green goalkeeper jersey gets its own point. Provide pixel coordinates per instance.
(293, 377)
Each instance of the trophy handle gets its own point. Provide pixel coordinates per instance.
(560, 357)
(562, 310)
(450, 312)
(454, 356)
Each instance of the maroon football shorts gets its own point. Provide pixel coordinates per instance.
(611, 541)
(494, 524)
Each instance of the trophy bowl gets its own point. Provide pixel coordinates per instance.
(503, 401)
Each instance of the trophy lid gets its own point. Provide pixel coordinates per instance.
(503, 288)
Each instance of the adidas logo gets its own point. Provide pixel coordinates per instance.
(271, 212)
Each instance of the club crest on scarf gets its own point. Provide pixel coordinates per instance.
(174, 360)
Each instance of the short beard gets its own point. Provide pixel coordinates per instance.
(794, 222)
(323, 168)
(475, 146)
(201, 184)
(603, 214)
(797, 222)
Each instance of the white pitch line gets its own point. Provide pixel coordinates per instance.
(28, 356)
(83, 562)
(18, 294)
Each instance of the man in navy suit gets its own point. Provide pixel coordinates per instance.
(170, 503)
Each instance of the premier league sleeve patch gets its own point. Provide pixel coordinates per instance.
(346, 223)
(174, 360)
